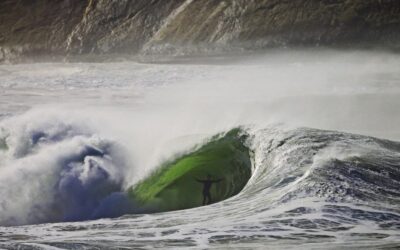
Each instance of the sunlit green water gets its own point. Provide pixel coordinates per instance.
(173, 186)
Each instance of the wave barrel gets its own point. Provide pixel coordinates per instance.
(175, 184)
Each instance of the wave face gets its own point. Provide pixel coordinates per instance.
(89, 151)
(174, 184)
(328, 166)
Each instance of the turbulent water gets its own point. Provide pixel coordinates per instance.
(76, 137)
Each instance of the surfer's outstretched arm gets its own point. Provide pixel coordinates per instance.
(201, 181)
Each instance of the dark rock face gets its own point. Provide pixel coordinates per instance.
(37, 27)
(119, 25)
(47, 27)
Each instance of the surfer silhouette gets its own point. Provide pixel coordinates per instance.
(206, 188)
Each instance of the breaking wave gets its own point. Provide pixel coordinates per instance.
(54, 170)
(102, 150)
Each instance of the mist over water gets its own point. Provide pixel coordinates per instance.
(75, 136)
(322, 89)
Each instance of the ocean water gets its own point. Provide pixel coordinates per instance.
(323, 131)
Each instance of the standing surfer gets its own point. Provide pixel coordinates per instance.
(206, 188)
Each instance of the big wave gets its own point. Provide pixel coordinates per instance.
(55, 170)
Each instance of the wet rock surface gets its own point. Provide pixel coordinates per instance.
(179, 27)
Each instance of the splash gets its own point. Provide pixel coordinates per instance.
(53, 170)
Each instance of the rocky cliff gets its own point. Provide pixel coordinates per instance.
(92, 27)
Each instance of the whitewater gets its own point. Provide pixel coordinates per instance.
(322, 128)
